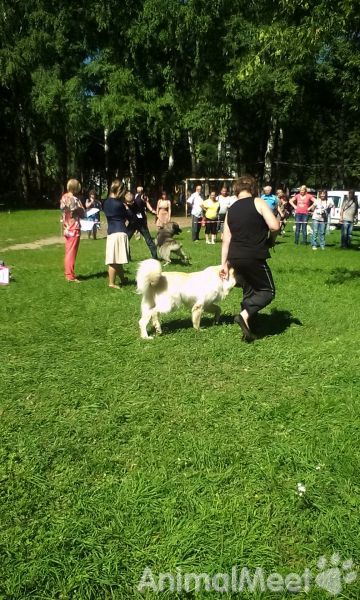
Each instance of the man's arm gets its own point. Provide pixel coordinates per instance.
(148, 205)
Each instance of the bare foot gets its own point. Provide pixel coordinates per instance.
(114, 286)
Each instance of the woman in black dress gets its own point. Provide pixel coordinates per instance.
(250, 228)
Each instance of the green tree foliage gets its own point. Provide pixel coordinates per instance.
(168, 88)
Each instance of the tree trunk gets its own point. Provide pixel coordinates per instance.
(71, 159)
(64, 160)
(132, 160)
(341, 167)
(39, 172)
(219, 152)
(280, 143)
(269, 152)
(192, 155)
(240, 167)
(171, 159)
(106, 156)
(23, 154)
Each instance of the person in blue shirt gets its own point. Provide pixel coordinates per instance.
(271, 200)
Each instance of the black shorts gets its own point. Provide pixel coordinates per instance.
(211, 226)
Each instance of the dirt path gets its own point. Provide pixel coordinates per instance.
(58, 239)
(35, 245)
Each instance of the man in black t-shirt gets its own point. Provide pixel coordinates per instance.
(138, 208)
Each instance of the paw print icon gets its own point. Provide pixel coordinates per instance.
(334, 574)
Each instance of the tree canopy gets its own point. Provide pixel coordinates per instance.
(157, 90)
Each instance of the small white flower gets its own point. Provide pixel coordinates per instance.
(301, 489)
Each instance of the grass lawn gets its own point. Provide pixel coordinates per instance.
(184, 452)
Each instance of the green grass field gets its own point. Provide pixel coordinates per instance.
(118, 454)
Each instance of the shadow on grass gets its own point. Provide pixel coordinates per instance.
(185, 323)
(342, 275)
(99, 275)
(263, 325)
(102, 275)
(273, 324)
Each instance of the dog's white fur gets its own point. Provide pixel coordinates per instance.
(164, 292)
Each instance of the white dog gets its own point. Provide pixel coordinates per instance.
(164, 292)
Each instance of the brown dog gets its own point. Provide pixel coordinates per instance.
(167, 244)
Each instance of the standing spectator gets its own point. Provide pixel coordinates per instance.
(270, 199)
(211, 206)
(73, 210)
(319, 220)
(348, 214)
(224, 203)
(283, 210)
(195, 201)
(329, 205)
(138, 208)
(302, 203)
(163, 210)
(117, 242)
(245, 248)
(90, 203)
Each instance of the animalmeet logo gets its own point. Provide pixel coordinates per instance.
(331, 576)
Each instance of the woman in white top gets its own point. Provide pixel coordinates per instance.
(319, 220)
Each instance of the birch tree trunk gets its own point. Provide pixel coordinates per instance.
(171, 159)
(280, 142)
(192, 154)
(341, 167)
(269, 152)
(219, 151)
(132, 159)
(22, 148)
(106, 156)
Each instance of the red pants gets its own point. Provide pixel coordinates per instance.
(71, 249)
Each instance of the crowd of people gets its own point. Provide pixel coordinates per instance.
(302, 205)
(126, 214)
(248, 225)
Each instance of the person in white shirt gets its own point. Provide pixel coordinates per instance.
(224, 202)
(195, 201)
(329, 203)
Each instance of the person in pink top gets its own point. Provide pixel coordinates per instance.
(302, 203)
(73, 210)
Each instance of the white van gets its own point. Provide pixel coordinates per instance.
(338, 197)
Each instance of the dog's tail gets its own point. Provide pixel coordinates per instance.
(148, 275)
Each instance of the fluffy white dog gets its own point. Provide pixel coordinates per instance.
(164, 292)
